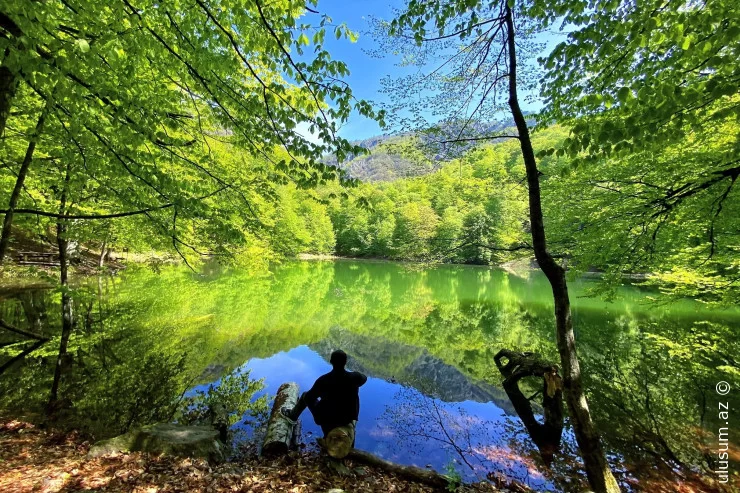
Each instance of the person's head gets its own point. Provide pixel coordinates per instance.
(338, 359)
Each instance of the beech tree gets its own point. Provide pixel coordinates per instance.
(654, 140)
(134, 85)
(471, 54)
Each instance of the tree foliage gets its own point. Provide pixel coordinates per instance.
(654, 139)
(157, 107)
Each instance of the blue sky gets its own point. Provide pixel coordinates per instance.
(366, 72)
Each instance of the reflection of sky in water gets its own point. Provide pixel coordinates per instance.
(392, 418)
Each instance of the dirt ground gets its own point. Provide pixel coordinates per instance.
(37, 460)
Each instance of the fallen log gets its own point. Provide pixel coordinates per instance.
(339, 441)
(413, 473)
(279, 436)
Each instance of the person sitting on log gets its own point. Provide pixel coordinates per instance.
(334, 402)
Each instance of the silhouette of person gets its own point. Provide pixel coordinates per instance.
(334, 399)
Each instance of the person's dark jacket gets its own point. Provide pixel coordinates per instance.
(339, 396)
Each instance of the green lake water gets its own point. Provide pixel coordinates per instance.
(426, 337)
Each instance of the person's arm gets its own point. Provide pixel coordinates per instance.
(316, 391)
(358, 378)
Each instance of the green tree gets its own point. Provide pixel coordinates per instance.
(139, 85)
(416, 225)
(654, 137)
(476, 50)
(318, 224)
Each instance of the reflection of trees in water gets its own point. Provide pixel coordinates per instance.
(114, 376)
(650, 373)
(22, 324)
(26, 307)
(408, 365)
(483, 448)
(654, 392)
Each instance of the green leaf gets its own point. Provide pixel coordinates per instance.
(82, 45)
(623, 94)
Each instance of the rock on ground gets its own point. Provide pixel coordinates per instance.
(166, 438)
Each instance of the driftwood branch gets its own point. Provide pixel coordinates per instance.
(546, 436)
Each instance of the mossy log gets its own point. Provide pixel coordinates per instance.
(279, 436)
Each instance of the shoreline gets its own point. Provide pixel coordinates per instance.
(520, 267)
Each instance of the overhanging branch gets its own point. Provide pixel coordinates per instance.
(104, 216)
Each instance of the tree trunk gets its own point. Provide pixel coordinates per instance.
(22, 172)
(547, 435)
(103, 252)
(597, 469)
(34, 307)
(279, 436)
(8, 88)
(426, 476)
(67, 315)
(8, 79)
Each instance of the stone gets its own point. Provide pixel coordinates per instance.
(166, 438)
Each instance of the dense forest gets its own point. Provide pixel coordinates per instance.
(211, 133)
(116, 168)
(471, 209)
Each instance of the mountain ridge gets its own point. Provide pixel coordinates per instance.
(412, 154)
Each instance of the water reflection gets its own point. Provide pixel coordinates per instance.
(144, 339)
(405, 425)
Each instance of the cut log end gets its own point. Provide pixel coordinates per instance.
(339, 441)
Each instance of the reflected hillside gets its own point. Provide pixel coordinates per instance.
(410, 366)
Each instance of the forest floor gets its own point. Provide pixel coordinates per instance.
(33, 459)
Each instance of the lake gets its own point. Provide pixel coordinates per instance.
(425, 336)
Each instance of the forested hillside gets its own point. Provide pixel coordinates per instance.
(409, 204)
(392, 157)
